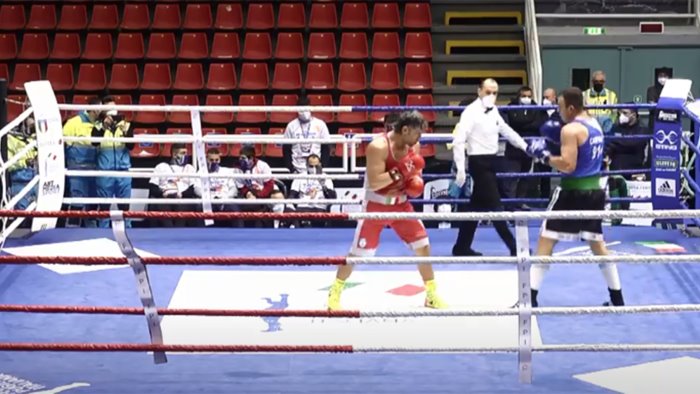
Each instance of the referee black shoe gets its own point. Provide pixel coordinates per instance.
(457, 252)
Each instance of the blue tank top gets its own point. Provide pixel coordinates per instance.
(590, 153)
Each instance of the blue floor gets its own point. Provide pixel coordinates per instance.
(425, 373)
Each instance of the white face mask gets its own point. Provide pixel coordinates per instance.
(112, 112)
(546, 102)
(489, 101)
(624, 119)
(305, 116)
(662, 80)
(525, 100)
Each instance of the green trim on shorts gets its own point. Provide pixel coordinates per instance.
(581, 183)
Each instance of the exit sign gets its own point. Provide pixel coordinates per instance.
(593, 31)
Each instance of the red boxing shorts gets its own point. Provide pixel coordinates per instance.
(367, 233)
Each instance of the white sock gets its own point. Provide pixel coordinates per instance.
(612, 277)
(277, 208)
(537, 272)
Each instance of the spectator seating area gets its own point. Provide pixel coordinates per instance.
(223, 53)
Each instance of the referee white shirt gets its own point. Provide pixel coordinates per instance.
(478, 132)
(314, 129)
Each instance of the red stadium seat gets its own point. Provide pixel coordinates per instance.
(321, 46)
(12, 17)
(167, 147)
(104, 17)
(156, 76)
(274, 150)
(287, 76)
(182, 99)
(418, 76)
(130, 46)
(229, 16)
(386, 16)
(422, 99)
(353, 46)
(323, 16)
(218, 117)
(14, 105)
(61, 99)
(73, 17)
(260, 16)
(150, 117)
(251, 117)
(4, 72)
(417, 16)
(290, 46)
(319, 76)
(65, 47)
(91, 78)
(222, 76)
(283, 100)
(254, 76)
(221, 147)
(353, 100)
(349, 132)
(352, 77)
(418, 46)
(145, 149)
(98, 46)
(161, 46)
(322, 100)
(193, 46)
(385, 76)
(236, 148)
(291, 16)
(354, 16)
(198, 17)
(124, 99)
(61, 76)
(34, 47)
(225, 46)
(257, 46)
(136, 17)
(79, 99)
(189, 76)
(42, 17)
(8, 47)
(124, 77)
(386, 46)
(166, 17)
(381, 100)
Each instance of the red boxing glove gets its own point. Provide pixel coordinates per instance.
(414, 187)
(410, 165)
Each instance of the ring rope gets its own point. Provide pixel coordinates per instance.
(343, 260)
(118, 310)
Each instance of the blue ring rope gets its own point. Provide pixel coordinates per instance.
(439, 201)
(434, 108)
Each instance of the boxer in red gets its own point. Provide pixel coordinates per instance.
(394, 169)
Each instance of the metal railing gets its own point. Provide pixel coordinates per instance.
(534, 57)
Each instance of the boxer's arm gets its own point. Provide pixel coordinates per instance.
(377, 175)
(566, 162)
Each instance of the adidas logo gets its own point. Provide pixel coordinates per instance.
(666, 188)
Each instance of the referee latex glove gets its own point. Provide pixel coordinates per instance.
(461, 178)
(538, 150)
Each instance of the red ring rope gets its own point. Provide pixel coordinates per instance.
(122, 310)
(148, 347)
(177, 215)
(173, 260)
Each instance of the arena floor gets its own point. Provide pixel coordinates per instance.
(371, 288)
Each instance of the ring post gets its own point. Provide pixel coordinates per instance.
(142, 283)
(200, 155)
(522, 241)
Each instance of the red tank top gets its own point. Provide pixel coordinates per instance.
(391, 163)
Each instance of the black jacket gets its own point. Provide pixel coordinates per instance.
(526, 123)
(626, 154)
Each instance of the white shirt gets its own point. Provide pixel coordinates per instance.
(315, 129)
(221, 188)
(479, 130)
(311, 189)
(261, 168)
(171, 185)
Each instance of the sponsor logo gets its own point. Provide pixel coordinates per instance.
(666, 116)
(273, 322)
(666, 137)
(50, 188)
(666, 164)
(665, 187)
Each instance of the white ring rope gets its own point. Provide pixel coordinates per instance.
(205, 108)
(153, 174)
(631, 259)
(215, 138)
(603, 347)
(16, 121)
(471, 216)
(217, 201)
(18, 156)
(541, 311)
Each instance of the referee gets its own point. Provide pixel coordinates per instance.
(478, 130)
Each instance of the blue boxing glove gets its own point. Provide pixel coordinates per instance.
(551, 130)
(538, 150)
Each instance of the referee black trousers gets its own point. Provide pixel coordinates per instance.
(485, 197)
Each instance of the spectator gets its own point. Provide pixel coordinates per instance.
(82, 155)
(305, 126)
(258, 188)
(24, 170)
(168, 184)
(312, 189)
(526, 123)
(663, 74)
(627, 154)
(220, 188)
(113, 156)
(600, 95)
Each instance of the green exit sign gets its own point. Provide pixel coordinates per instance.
(593, 31)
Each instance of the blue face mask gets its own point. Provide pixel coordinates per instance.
(214, 166)
(245, 163)
(179, 160)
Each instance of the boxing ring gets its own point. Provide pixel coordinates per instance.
(70, 320)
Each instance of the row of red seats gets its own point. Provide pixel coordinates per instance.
(352, 77)
(195, 46)
(146, 150)
(229, 16)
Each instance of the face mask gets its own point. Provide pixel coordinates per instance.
(305, 117)
(526, 100)
(214, 167)
(662, 80)
(489, 101)
(546, 102)
(598, 87)
(179, 160)
(313, 170)
(245, 163)
(112, 113)
(624, 119)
